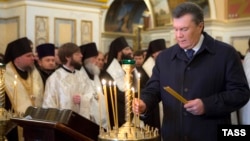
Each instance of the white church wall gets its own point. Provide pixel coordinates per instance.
(12, 19)
(28, 11)
(76, 14)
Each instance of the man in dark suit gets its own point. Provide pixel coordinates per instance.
(211, 78)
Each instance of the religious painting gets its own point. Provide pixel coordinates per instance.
(86, 32)
(41, 30)
(10, 31)
(204, 4)
(238, 9)
(122, 15)
(65, 31)
(161, 12)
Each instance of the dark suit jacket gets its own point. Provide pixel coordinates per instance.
(215, 75)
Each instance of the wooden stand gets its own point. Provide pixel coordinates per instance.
(56, 125)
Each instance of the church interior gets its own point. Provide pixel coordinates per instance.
(100, 21)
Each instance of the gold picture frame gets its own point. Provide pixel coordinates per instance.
(41, 30)
(240, 43)
(65, 31)
(10, 30)
(86, 31)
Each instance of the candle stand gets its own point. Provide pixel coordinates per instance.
(129, 131)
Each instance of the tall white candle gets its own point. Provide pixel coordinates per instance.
(112, 101)
(116, 106)
(139, 85)
(139, 96)
(106, 99)
(100, 110)
(15, 96)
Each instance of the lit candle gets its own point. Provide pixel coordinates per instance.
(15, 97)
(116, 106)
(133, 97)
(139, 85)
(112, 100)
(106, 99)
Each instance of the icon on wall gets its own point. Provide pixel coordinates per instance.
(122, 15)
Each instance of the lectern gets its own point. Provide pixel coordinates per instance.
(49, 124)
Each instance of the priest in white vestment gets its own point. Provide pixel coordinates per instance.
(90, 68)
(68, 87)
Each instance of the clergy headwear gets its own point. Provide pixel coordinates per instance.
(119, 43)
(46, 49)
(17, 48)
(89, 50)
(154, 46)
(116, 46)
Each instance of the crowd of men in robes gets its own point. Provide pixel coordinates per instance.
(72, 84)
(69, 77)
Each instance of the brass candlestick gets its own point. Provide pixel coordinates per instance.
(128, 67)
(129, 131)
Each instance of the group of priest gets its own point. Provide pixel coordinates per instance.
(69, 77)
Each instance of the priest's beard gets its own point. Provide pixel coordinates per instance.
(92, 68)
(126, 56)
(75, 64)
(28, 68)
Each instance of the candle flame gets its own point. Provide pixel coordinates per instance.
(133, 89)
(139, 75)
(103, 82)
